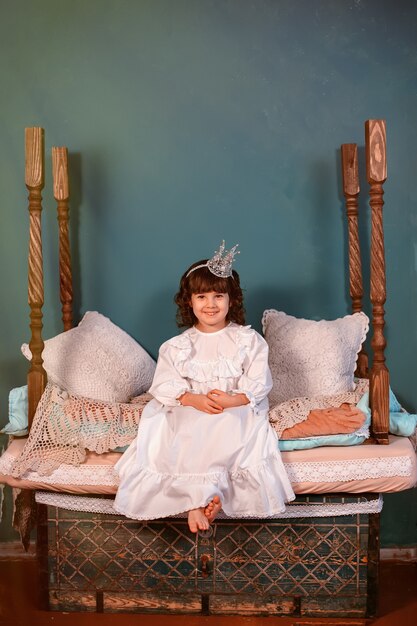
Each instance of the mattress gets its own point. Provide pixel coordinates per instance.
(367, 468)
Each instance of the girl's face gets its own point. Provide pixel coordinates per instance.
(210, 309)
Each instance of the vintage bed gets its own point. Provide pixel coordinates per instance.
(319, 559)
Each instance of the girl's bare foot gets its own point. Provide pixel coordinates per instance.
(212, 509)
(197, 520)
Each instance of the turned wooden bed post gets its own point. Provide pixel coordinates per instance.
(376, 169)
(34, 179)
(350, 173)
(61, 195)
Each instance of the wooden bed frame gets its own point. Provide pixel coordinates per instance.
(363, 601)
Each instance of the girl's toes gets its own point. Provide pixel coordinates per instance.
(197, 520)
(204, 524)
(193, 521)
(215, 507)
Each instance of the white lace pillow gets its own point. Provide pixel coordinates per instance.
(97, 360)
(312, 358)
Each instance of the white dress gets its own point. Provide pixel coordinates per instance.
(182, 457)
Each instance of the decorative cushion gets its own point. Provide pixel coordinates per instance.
(297, 410)
(312, 358)
(349, 439)
(97, 360)
(341, 420)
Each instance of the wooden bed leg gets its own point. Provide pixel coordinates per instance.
(34, 178)
(373, 564)
(351, 189)
(61, 194)
(376, 169)
(42, 555)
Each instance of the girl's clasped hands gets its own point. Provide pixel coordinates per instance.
(214, 401)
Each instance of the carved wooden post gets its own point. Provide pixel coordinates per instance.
(61, 194)
(34, 178)
(376, 168)
(351, 188)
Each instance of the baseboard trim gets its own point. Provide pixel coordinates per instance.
(14, 551)
(398, 554)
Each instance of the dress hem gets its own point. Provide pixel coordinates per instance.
(235, 515)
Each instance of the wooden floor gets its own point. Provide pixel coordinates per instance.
(19, 597)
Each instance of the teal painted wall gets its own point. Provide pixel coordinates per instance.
(192, 120)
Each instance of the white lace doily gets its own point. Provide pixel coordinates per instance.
(313, 509)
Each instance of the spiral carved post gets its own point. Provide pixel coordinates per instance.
(376, 169)
(34, 178)
(351, 189)
(61, 195)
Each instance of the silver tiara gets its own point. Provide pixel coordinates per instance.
(220, 264)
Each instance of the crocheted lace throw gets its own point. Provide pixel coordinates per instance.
(65, 426)
(292, 412)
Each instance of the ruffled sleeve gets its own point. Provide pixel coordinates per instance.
(255, 381)
(168, 384)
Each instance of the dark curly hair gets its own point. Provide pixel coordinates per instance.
(202, 280)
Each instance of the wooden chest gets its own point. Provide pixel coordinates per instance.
(303, 566)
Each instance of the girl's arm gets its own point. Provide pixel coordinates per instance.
(168, 385)
(256, 380)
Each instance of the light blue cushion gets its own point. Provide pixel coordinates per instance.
(394, 405)
(403, 424)
(18, 412)
(400, 422)
(316, 442)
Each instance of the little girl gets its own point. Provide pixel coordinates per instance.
(204, 442)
